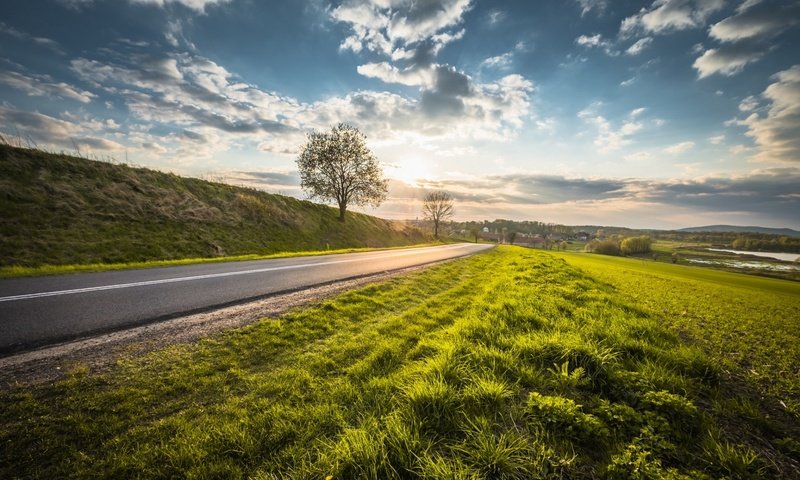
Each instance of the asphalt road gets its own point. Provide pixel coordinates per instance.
(45, 310)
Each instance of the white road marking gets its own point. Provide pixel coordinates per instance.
(219, 275)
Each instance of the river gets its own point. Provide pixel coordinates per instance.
(786, 257)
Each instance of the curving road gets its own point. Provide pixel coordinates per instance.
(46, 310)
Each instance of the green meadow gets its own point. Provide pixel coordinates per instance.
(510, 364)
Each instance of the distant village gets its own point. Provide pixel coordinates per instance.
(550, 240)
(524, 233)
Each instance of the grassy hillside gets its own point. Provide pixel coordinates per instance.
(507, 365)
(58, 209)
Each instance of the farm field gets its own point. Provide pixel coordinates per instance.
(511, 364)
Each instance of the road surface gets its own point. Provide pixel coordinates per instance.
(45, 310)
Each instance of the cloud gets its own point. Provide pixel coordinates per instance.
(590, 40)
(44, 86)
(589, 5)
(608, 138)
(727, 60)
(759, 20)
(76, 4)
(755, 195)
(187, 90)
(388, 73)
(597, 41)
(188, 93)
(496, 16)
(679, 148)
(382, 25)
(748, 104)
(744, 36)
(776, 132)
(410, 35)
(89, 143)
(638, 156)
(739, 149)
(49, 130)
(290, 180)
(716, 140)
(664, 16)
(27, 37)
(637, 111)
(639, 46)
(197, 5)
(40, 127)
(500, 61)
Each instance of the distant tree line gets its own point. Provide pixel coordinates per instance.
(741, 241)
(525, 227)
(766, 243)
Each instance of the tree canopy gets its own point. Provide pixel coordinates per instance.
(337, 166)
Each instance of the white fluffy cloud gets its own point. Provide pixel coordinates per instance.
(670, 15)
(383, 25)
(388, 73)
(727, 60)
(757, 20)
(608, 137)
(409, 34)
(776, 132)
(190, 93)
(499, 61)
(639, 46)
(744, 36)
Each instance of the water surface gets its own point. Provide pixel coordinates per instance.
(786, 257)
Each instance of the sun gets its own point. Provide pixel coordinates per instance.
(411, 170)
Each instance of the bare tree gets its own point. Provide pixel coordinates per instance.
(338, 166)
(437, 207)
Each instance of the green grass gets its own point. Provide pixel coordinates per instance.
(749, 325)
(63, 210)
(509, 364)
(17, 271)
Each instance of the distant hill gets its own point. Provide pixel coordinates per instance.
(59, 209)
(738, 229)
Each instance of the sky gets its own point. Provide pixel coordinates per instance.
(648, 114)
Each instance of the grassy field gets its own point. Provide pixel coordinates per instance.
(750, 325)
(510, 364)
(63, 210)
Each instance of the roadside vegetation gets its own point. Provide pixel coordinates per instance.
(63, 210)
(509, 364)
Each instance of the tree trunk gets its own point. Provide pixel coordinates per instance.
(342, 208)
(436, 230)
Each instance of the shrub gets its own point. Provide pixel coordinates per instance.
(633, 245)
(603, 247)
